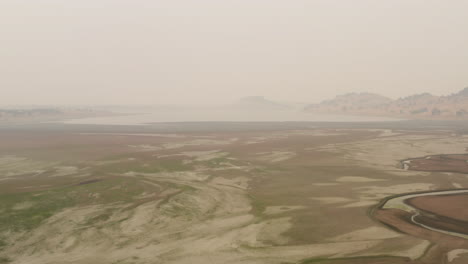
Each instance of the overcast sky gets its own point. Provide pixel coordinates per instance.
(214, 51)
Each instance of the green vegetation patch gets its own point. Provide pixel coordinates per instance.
(25, 211)
(258, 207)
(44, 205)
(4, 260)
(2, 244)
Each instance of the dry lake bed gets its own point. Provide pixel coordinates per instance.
(253, 193)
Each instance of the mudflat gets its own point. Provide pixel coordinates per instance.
(241, 193)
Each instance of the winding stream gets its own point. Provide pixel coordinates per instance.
(400, 203)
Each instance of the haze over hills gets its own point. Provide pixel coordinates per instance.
(418, 106)
(258, 108)
(260, 103)
(41, 114)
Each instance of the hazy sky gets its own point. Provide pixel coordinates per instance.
(208, 51)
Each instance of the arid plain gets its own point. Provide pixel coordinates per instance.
(278, 193)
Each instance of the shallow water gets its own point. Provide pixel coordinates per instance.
(156, 115)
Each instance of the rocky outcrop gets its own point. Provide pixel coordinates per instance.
(418, 106)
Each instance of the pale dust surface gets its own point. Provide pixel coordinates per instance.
(276, 156)
(456, 253)
(23, 205)
(205, 155)
(332, 200)
(357, 179)
(412, 248)
(369, 233)
(379, 192)
(385, 153)
(324, 184)
(362, 203)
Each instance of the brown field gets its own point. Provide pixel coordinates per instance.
(446, 163)
(450, 206)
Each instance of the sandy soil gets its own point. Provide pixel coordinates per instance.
(455, 254)
(386, 152)
(370, 233)
(356, 179)
(276, 156)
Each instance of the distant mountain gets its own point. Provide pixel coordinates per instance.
(352, 102)
(418, 106)
(260, 103)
